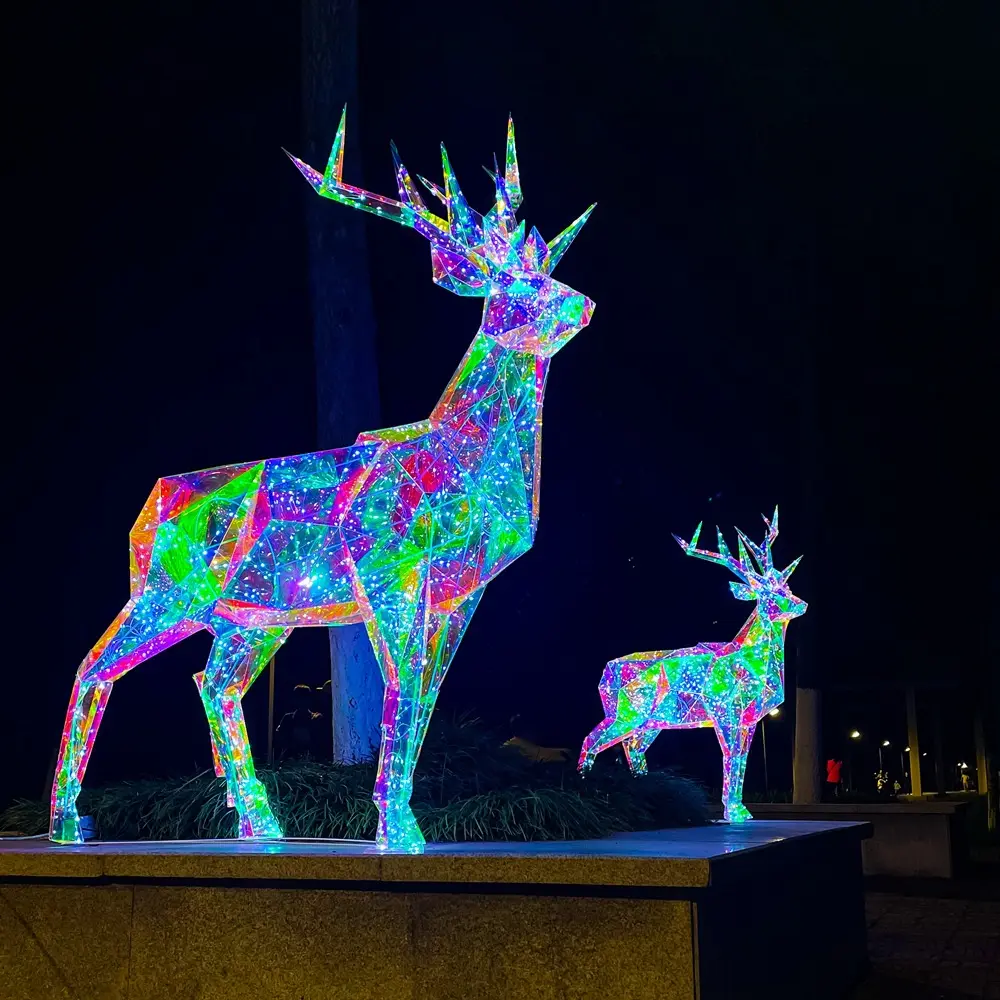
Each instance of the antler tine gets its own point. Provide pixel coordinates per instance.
(464, 224)
(561, 243)
(408, 193)
(755, 549)
(772, 533)
(411, 213)
(694, 538)
(790, 569)
(772, 526)
(434, 189)
(511, 175)
(723, 557)
(503, 209)
(744, 558)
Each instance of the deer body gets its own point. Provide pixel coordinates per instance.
(402, 530)
(729, 686)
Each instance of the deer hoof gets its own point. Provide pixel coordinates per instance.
(738, 814)
(399, 832)
(65, 828)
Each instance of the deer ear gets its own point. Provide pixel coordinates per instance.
(742, 592)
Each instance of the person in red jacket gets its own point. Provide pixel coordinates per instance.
(833, 768)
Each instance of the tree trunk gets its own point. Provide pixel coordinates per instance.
(806, 785)
(979, 734)
(343, 328)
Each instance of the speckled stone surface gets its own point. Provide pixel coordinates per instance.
(273, 944)
(64, 942)
(269, 944)
(538, 946)
(663, 915)
(676, 858)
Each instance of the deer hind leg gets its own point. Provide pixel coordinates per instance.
(236, 660)
(735, 740)
(414, 647)
(137, 633)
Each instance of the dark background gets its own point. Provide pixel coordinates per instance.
(794, 258)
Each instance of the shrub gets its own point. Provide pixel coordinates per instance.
(467, 787)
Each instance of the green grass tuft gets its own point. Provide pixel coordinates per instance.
(468, 787)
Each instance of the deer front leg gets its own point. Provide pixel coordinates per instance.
(605, 735)
(414, 652)
(735, 740)
(625, 715)
(236, 660)
(635, 747)
(135, 635)
(83, 718)
(220, 771)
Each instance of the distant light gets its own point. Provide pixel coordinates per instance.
(885, 743)
(906, 749)
(924, 754)
(963, 765)
(774, 713)
(855, 735)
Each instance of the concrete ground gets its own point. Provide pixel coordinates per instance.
(933, 940)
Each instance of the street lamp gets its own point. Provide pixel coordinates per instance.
(884, 743)
(855, 735)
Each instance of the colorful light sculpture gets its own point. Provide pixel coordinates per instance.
(730, 686)
(402, 530)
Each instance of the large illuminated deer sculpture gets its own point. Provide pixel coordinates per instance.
(402, 530)
(728, 685)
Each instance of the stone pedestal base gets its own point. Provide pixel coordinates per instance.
(717, 912)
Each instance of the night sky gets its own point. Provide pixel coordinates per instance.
(794, 261)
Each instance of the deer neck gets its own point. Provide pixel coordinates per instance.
(769, 638)
(491, 415)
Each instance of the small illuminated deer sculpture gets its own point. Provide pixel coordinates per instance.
(402, 530)
(728, 685)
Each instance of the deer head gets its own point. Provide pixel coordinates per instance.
(489, 256)
(763, 582)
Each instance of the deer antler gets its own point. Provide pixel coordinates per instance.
(743, 567)
(409, 211)
(738, 567)
(772, 534)
(464, 230)
(762, 552)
